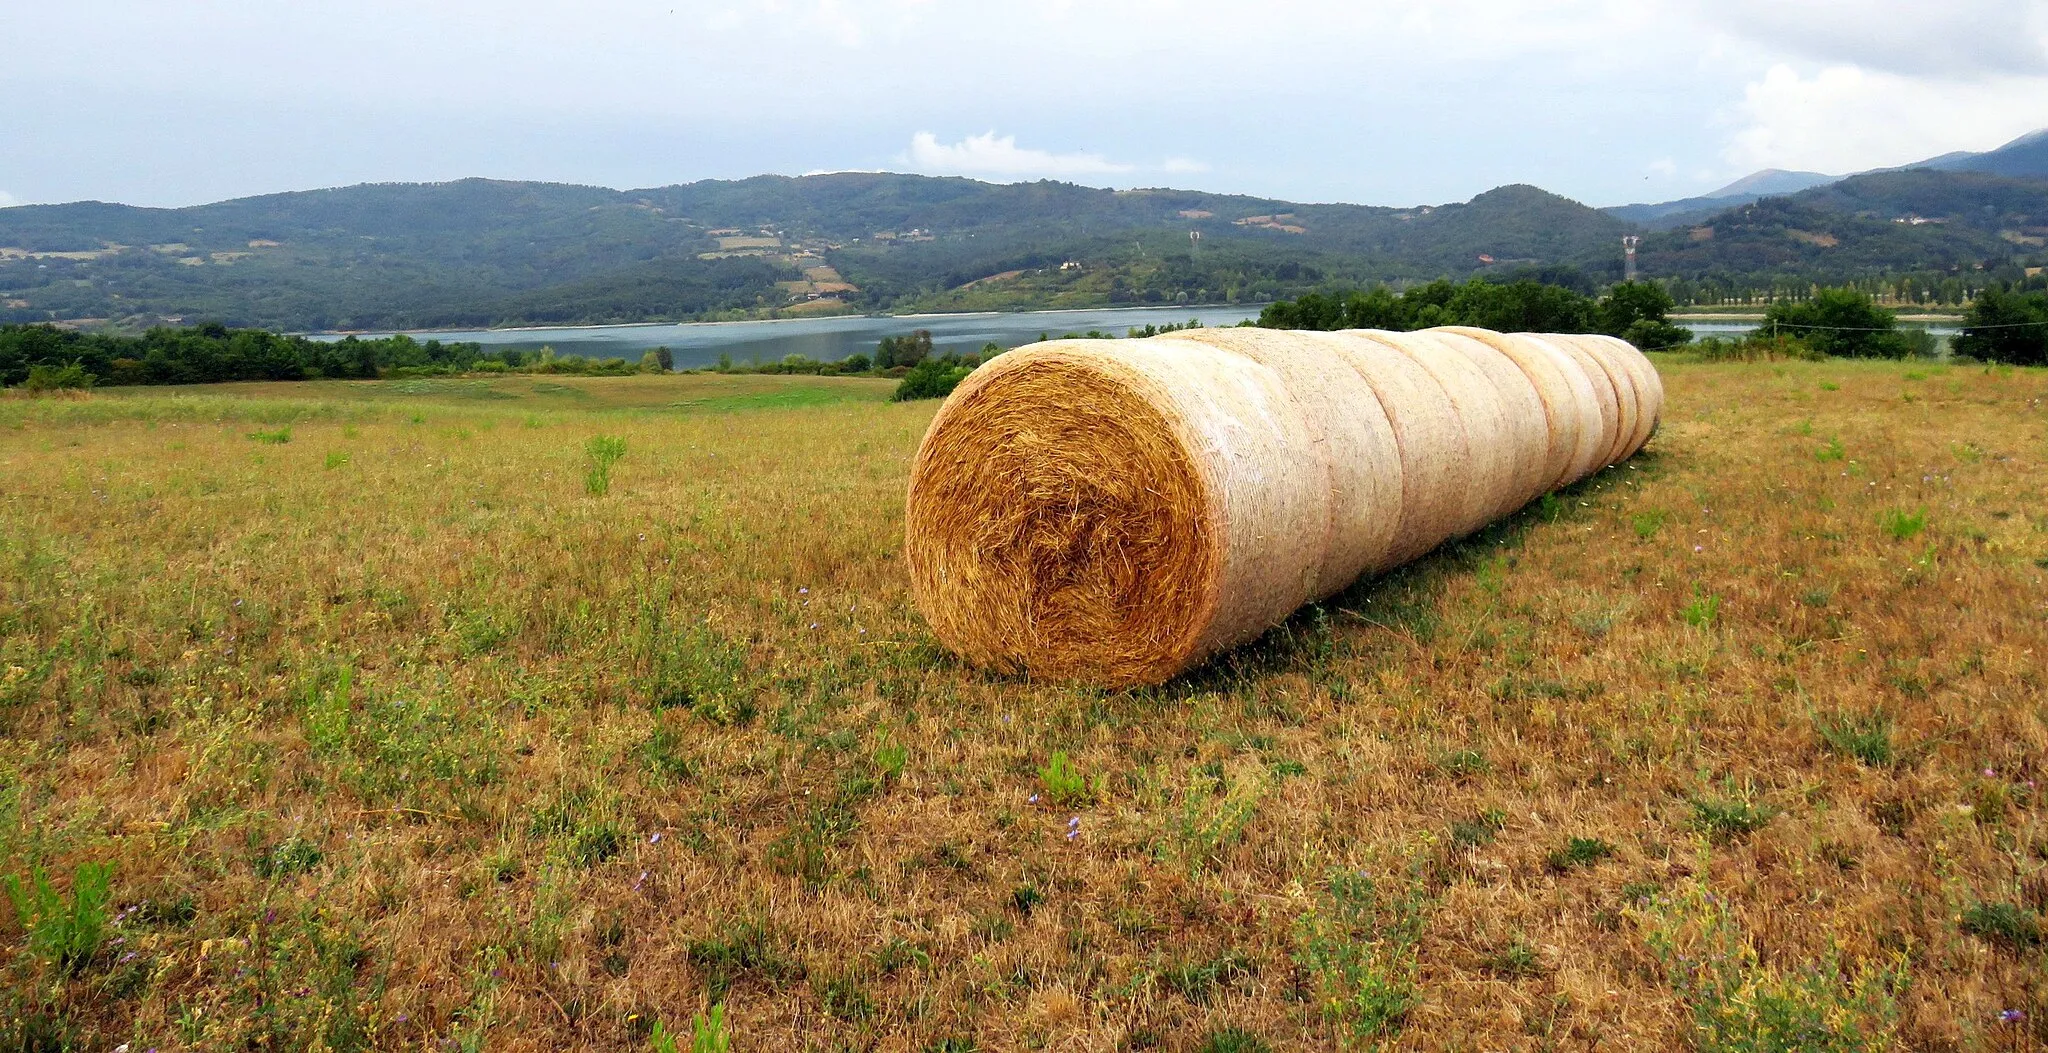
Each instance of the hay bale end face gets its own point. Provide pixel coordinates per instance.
(1116, 511)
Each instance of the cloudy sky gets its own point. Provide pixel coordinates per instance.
(171, 102)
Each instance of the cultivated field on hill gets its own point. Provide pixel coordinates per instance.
(402, 721)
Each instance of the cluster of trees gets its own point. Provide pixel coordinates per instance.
(1634, 311)
(47, 356)
(1843, 323)
(2008, 324)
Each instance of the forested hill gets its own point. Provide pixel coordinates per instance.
(484, 252)
(479, 252)
(1962, 223)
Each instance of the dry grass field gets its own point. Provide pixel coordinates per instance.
(390, 733)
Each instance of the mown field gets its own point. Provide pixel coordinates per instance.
(392, 734)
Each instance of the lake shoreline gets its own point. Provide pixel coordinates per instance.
(604, 326)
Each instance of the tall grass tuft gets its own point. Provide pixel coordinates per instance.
(604, 451)
(66, 932)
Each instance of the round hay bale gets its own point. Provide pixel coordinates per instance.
(1116, 511)
(1532, 440)
(1493, 439)
(1352, 443)
(1648, 385)
(1429, 436)
(1627, 415)
(1112, 512)
(1592, 402)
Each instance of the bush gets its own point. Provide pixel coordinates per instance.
(2006, 325)
(1840, 323)
(71, 377)
(933, 378)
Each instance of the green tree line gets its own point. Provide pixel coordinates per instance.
(207, 354)
(1633, 311)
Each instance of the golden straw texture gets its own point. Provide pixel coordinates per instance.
(1116, 511)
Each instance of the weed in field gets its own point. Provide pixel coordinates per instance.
(604, 451)
(1463, 764)
(704, 671)
(1739, 1003)
(1865, 736)
(275, 438)
(707, 1034)
(1358, 947)
(336, 459)
(1214, 811)
(64, 931)
(293, 855)
(1026, 898)
(1478, 830)
(1234, 1040)
(2005, 924)
(1704, 608)
(1832, 450)
(1725, 819)
(1198, 979)
(665, 752)
(1063, 783)
(1903, 525)
(1578, 852)
(1516, 961)
(807, 848)
(743, 950)
(1646, 524)
(843, 997)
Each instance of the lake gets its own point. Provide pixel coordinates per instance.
(827, 339)
(831, 339)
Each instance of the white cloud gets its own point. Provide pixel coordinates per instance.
(999, 157)
(1952, 40)
(1846, 118)
(1184, 166)
(8, 200)
(1663, 166)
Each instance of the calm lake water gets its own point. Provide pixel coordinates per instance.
(831, 339)
(828, 339)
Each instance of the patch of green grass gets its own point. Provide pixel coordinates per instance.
(1832, 450)
(1578, 852)
(2005, 924)
(1702, 611)
(1478, 830)
(1865, 736)
(1063, 783)
(1740, 1004)
(1463, 764)
(66, 931)
(1516, 961)
(792, 398)
(1903, 525)
(603, 451)
(1358, 947)
(1725, 819)
(1233, 1040)
(1198, 980)
(1646, 524)
(744, 951)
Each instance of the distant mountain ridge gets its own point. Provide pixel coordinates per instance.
(479, 252)
(2023, 158)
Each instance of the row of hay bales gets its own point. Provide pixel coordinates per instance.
(1116, 511)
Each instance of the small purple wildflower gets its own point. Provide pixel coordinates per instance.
(803, 592)
(1989, 772)
(1033, 799)
(2011, 1016)
(655, 839)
